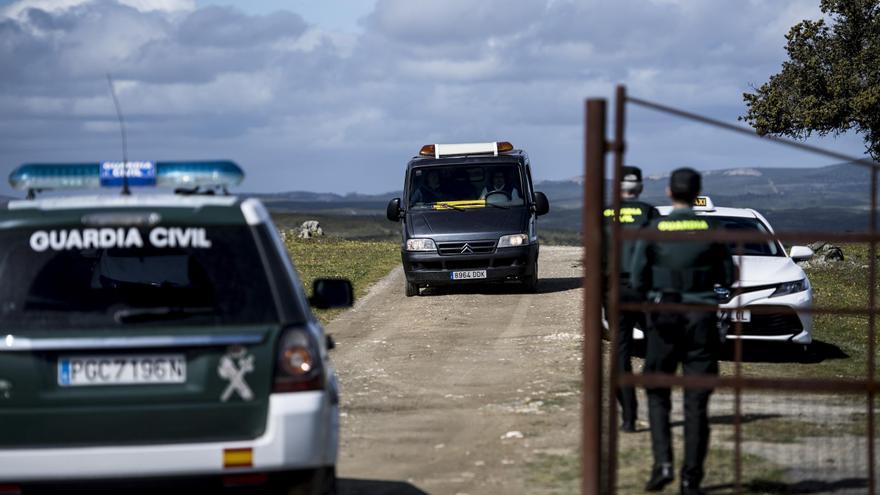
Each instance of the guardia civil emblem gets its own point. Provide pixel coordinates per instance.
(233, 367)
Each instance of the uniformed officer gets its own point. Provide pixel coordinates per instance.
(634, 214)
(681, 272)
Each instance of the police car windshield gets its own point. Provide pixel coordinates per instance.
(464, 186)
(102, 277)
(751, 225)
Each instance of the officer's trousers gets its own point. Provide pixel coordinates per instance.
(626, 396)
(691, 339)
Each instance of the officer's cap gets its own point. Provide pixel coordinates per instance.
(685, 183)
(630, 174)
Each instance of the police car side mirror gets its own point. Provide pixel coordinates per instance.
(331, 293)
(542, 204)
(801, 253)
(393, 210)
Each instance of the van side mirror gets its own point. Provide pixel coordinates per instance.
(392, 212)
(801, 253)
(331, 293)
(542, 204)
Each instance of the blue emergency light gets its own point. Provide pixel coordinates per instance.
(194, 174)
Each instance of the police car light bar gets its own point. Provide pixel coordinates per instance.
(44, 176)
(440, 150)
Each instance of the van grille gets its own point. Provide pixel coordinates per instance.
(465, 248)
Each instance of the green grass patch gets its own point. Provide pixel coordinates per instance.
(788, 430)
(361, 262)
(342, 225)
(555, 474)
(634, 468)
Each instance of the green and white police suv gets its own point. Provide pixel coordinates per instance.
(154, 336)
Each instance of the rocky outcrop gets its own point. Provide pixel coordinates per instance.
(824, 254)
(309, 229)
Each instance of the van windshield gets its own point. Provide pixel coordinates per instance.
(72, 277)
(466, 186)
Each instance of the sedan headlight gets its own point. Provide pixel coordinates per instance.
(791, 288)
(513, 240)
(420, 245)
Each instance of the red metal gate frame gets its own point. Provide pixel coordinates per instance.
(597, 480)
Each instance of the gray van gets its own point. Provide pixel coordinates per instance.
(469, 214)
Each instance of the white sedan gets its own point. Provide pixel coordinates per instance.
(770, 279)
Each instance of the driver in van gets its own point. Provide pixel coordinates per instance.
(499, 185)
(429, 191)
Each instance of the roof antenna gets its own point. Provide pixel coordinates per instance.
(125, 190)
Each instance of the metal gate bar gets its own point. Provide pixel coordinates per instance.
(594, 243)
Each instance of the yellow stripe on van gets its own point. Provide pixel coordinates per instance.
(451, 205)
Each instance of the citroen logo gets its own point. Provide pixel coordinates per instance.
(466, 249)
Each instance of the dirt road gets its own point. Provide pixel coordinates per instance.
(472, 391)
(476, 391)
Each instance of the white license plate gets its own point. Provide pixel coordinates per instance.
(738, 315)
(151, 369)
(468, 275)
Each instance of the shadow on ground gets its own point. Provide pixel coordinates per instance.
(771, 352)
(784, 352)
(805, 486)
(345, 486)
(728, 419)
(376, 487)
(545, 286)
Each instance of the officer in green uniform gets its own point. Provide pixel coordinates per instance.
(681, 272)
(634, 214)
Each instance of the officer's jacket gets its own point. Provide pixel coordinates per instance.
(689, 268)
(634, 214)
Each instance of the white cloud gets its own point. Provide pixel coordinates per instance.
(272, 89)
(17, 9)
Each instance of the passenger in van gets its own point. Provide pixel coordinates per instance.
(429, 191)
(499, 184)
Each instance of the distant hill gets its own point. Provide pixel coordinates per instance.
(834, 198)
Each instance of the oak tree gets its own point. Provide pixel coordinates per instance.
(831, 82)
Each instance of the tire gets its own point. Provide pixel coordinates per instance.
(411, 289)
(530, 282)
(328, 486)
(320, 481)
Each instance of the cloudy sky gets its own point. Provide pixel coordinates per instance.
(336, 95)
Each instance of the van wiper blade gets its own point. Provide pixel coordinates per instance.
(135, 315)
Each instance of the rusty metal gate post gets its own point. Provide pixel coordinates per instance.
(594, 197)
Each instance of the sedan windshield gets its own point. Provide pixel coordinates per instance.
(85, 278)
(466, 186)
(750, 225)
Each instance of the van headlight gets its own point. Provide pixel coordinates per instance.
(513, 240)
(420, 245)
(791, 287)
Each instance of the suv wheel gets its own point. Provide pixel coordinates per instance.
(411, 289)
(313, 482)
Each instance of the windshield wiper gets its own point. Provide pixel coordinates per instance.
(447, 205)
(135, 315)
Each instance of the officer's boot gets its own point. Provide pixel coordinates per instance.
(661, 476)
(689, 487)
